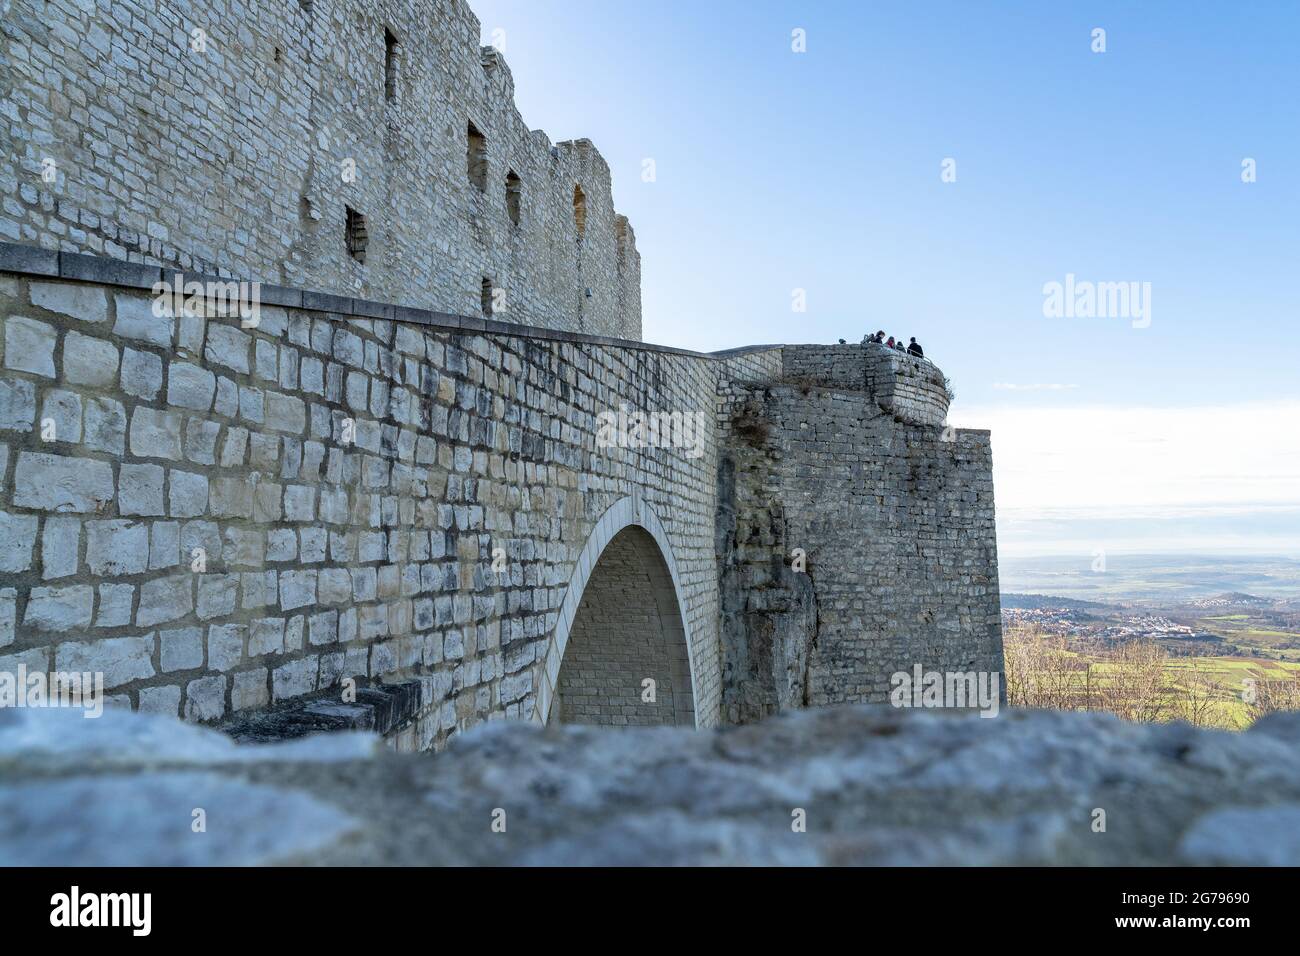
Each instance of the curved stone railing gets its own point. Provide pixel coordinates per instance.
(909, 387)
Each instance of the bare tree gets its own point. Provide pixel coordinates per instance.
(1040, 670)
(1202, 691)
(1264, 694)
(1132, 680)
(1135, 684)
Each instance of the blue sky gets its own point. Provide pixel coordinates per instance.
(820, 171)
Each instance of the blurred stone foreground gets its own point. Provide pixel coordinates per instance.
(878, 786)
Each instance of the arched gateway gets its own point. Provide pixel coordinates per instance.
(621, 626)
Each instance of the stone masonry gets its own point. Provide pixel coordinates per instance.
(224, 519)
(892, 510)
(263, 139)
(410, 517)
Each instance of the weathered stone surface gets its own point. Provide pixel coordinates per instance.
(225, 646)
(160, 700)
(297, 589)
(142, 374)
(61, 416)
(60, 546)
(89, 361)
(228, 346)
(249, 690)
(165, 599)
(285, 413)
(8, 615)
(29, 346)
(164, 545)
(17, 404)
(117, 547)
(205, 699)
(105, 426)
(876, 786)
(120, 659)
(75, 300)
(155, 434)
(140, 490)
(60, 608)
(181, 649)
(136, 320)
(48, 822)
(218, 594)
(190, 386)
(114, 605)
(294, 678)
(17, 539)
(187, 493)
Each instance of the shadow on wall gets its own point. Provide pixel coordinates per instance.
(626, 661)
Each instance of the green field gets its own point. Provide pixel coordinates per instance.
(1247, 633)
(1085, 687)
(1230, 708)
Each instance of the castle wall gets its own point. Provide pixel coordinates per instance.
(896, 525)
(232, 138)
(912, 389)
(222, 518)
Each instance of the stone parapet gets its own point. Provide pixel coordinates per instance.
(912, 389)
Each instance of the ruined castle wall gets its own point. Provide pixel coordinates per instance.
(765, 627)
(233, 138)
(912, 389)
(758, 363)
(896, 525)
(220, 518)
(837, 366)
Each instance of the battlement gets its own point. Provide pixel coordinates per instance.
(368, 150)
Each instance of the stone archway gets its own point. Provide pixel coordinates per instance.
(620, 623)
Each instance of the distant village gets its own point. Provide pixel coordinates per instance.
(1075, 622)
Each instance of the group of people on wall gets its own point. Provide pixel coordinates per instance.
(912, 348)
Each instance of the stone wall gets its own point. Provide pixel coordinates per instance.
(237, 138)
(891, 515)
(222, 518)
(877, 786)
(912, 389)
(836, 366)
